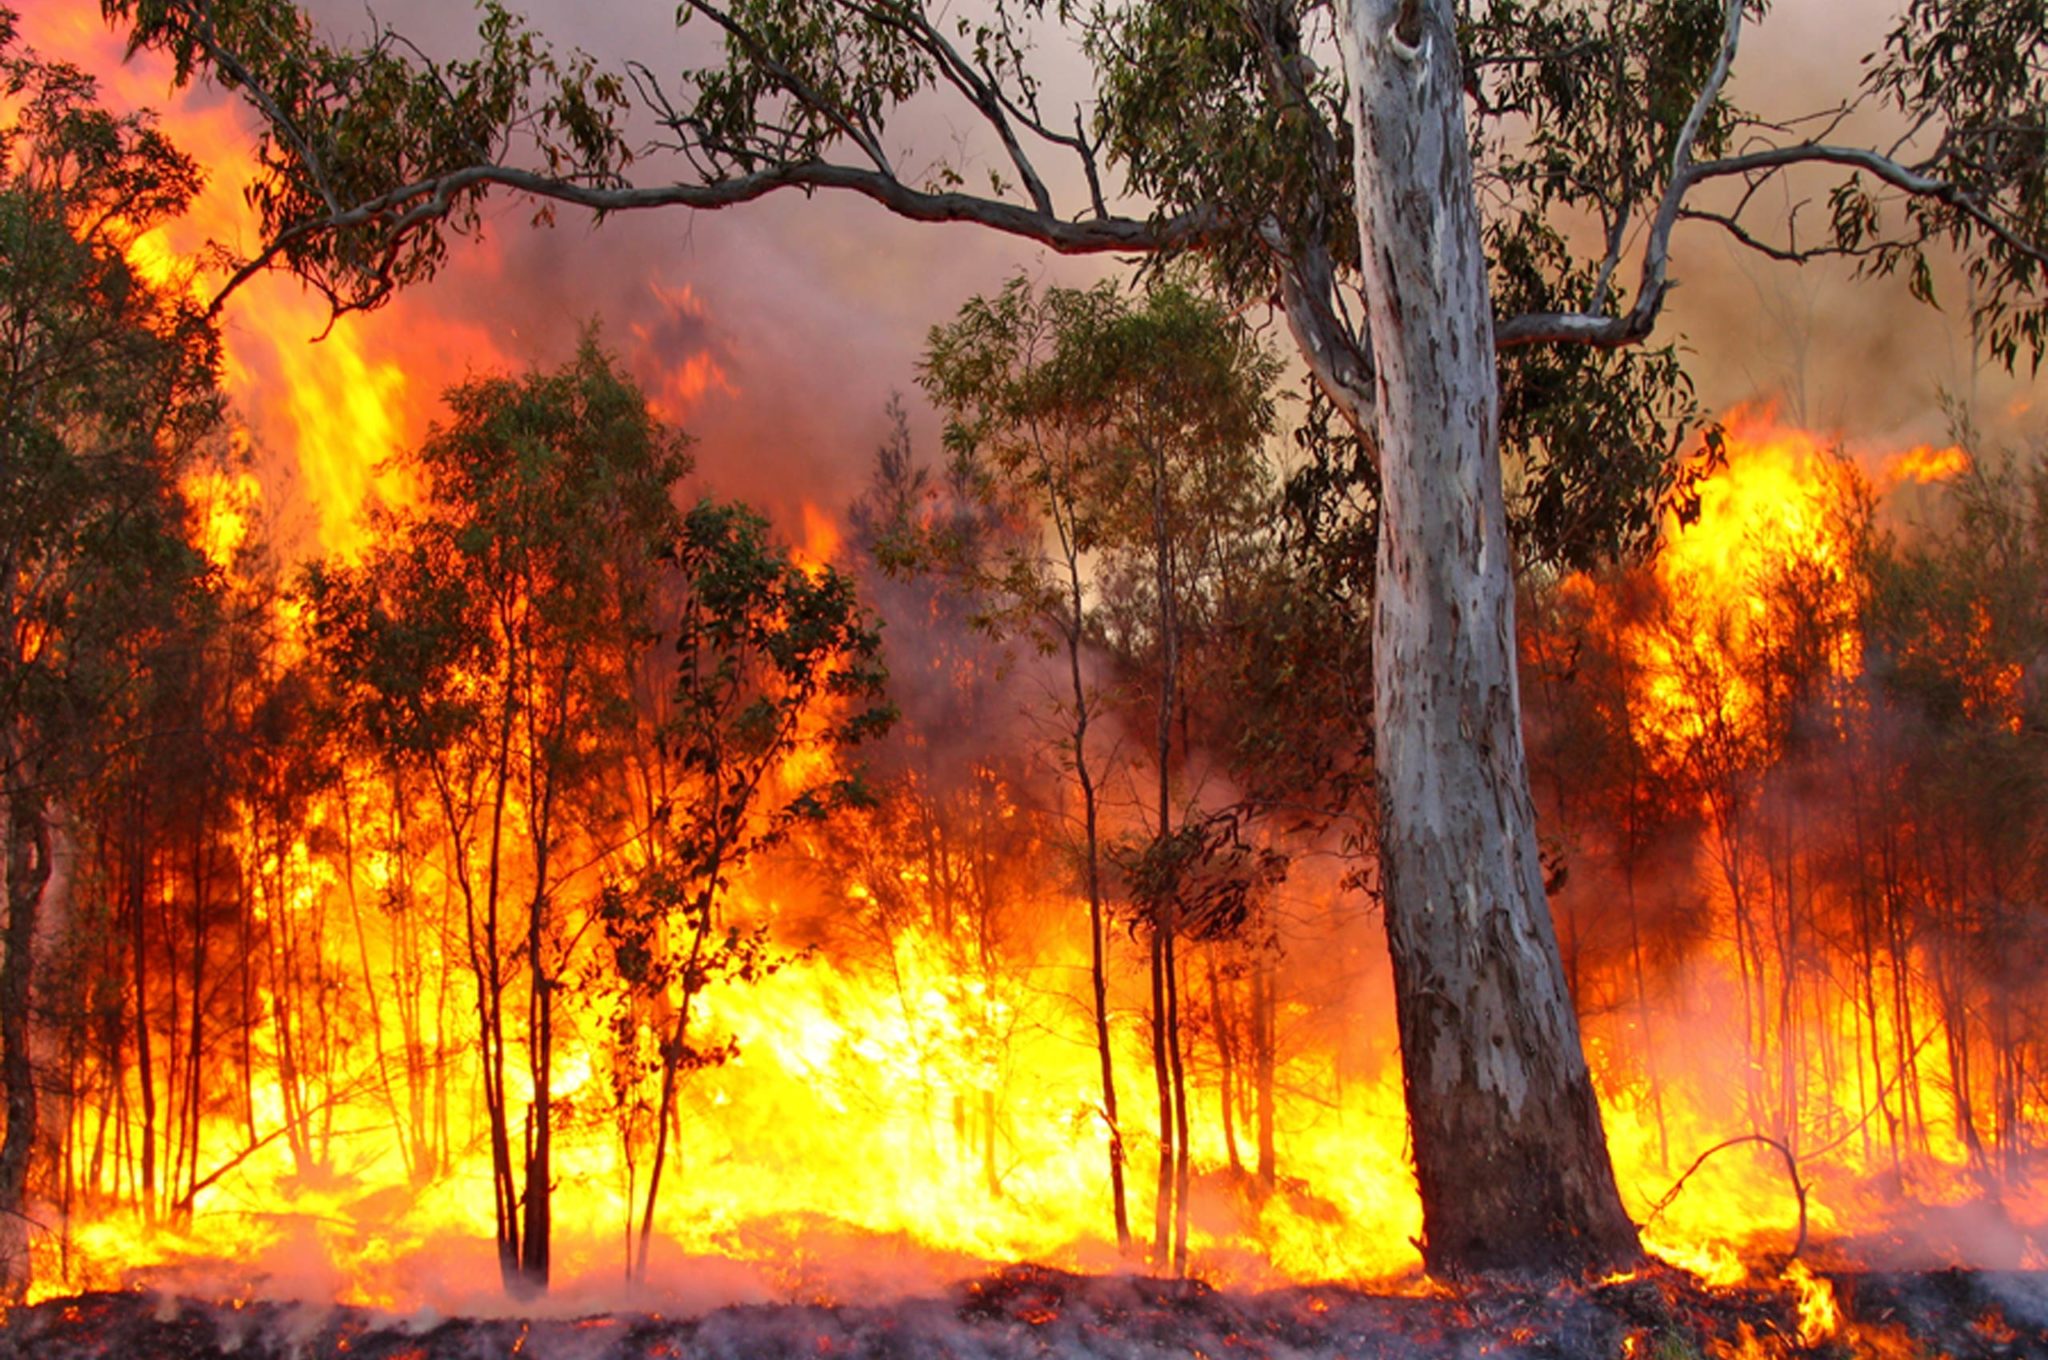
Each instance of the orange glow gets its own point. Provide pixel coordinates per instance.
(677, 389)
(821, 540)
(225, 502)
(1739, 661)
(341, 408)
(1819, 1318)
(1774, 512)
(1927, 464)
(915, 1093)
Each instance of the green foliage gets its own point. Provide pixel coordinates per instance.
(1202, 880)
(1971, 76)
(1957, 618)
(514, 594)
(1575, 114)
(1227, 120)
(1065, 400)
(773, 656)
(1580, 106)
(1219, 103)
(106, 398)
(773, 662)
(1592, 436)
(348, 131)
(777, 680)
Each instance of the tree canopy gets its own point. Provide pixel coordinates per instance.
(1466, 216)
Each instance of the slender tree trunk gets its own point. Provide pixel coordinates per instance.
(1226, 1064)
(1509, 1150)
(1263, 1063)
(1162, 1193)
(1098, 940)
(671, 1066)
(1181, 1166)
(145, 1069)
(28, 871)
(534, 1245)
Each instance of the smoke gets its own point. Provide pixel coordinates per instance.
(1855, 355)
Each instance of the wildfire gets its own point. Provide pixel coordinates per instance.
(1819, 1318)
(913, 1091)
(1770, 527)
(1759, 810)
(1926, 463)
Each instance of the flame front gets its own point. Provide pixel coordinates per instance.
(286, 1075)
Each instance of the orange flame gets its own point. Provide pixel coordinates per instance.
(907, 1099)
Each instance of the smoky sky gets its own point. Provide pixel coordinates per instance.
(774, 332)
(817, 309)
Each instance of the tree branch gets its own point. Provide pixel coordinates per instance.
(413, 205)
(1635, 325)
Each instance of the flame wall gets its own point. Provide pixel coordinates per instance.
(1772, 928)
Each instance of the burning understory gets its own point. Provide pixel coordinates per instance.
(1774, 919)
(1031, 1311)
(513, 884)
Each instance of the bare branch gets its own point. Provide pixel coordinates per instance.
(1881, 167)
(859, 135)
(414, 205)
(980, 89)
(1636, 323)
(1789, 253)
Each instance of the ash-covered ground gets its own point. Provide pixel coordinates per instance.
(1031, 1311)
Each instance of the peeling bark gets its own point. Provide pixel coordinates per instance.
(1509, 1150)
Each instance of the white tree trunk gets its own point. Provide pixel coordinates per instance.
(1509, 1150)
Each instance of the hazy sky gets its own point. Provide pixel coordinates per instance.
(779, 329)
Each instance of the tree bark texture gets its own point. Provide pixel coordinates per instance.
(28, 870)
(1510, 1155)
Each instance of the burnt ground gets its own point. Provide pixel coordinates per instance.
(1032, 1311)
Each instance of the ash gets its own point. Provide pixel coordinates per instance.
(1034, 1311)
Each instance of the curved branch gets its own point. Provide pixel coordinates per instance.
(1635, 325)
(1791, 1172)
(415, 205)
(1338, 363)
(1878, 166)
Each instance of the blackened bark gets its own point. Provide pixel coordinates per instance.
(1509, 1151)
(28, 871)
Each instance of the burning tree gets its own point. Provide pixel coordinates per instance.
(486, 651)
(1133, 430)
(953, 783)
(106, 390)
(1332, 159)
(776, 677)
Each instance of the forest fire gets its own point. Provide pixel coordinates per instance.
(906, 1099)
(507, 911)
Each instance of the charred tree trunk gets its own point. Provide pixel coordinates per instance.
(136, 889)
(673, 1054)
(1162, 1080)
(539, 1196)
(1510, 1154)
(28, 871)
(1226, 1064)
(1263, 1063)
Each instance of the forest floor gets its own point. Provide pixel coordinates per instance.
(1033, 1311)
